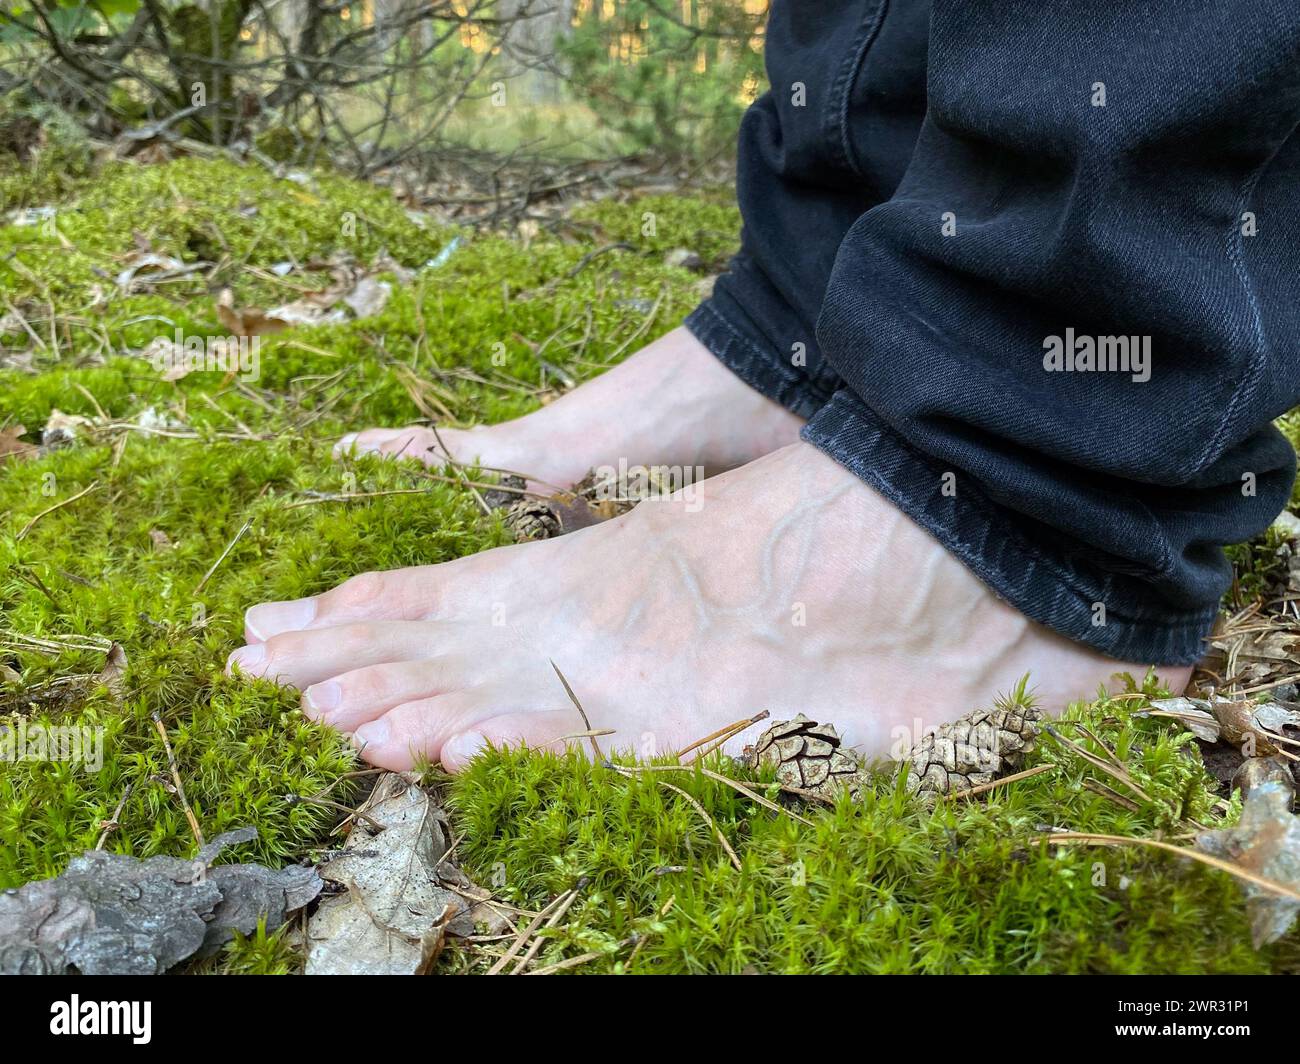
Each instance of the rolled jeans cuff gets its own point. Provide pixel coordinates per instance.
(721, 327)
(1115, 614)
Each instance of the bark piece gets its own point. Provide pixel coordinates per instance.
(111, 914)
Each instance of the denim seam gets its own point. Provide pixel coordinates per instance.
(758, 368)
(1183, 631)
(837, 115)
(1250, 379)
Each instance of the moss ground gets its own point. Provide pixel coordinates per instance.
(884, 887)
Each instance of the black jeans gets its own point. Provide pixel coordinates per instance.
(1028, 269)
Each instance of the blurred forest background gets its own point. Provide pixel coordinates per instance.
(516, 98)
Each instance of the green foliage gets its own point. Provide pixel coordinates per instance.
(640, 71)
(44, 154)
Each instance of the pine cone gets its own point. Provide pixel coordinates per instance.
(807, 756)
(976, 749)
(532, 519)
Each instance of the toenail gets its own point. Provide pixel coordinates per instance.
(272, 618)
(247, 657)
(373, 734)
(465, 746)
(320, 698)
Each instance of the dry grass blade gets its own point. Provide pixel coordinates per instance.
(552, 921)
(721, 735)
(1116, 773)
(1015, 777)
(231, 545)
(180, 786)
(1071, 837)
(57, 506)
(527, 933)
(581, 712)
(1097, 787)
(727, 781)
(704, 813)
(114, 822)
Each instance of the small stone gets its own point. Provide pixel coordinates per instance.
(683, 259)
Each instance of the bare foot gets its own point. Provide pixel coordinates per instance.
(671, 403)
(794, 588)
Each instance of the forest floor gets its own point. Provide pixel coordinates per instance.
(140, 515)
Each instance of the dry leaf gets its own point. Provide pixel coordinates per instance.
(1194, 716)
(61, 428)
(13, 447)
(369, 297)
(1265, 841)
(113, 674)
(150, 268)
(392, 916)
(1239, 724)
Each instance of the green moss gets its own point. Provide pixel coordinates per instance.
(706, 223)
(244, 751)
(881, 886)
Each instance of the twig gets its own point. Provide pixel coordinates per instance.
(355, 495)
(1092, 759)
(113, 822)
(1097, 787)
(574, 962)
(231, 545)
(704, 813)
(551, 922)
(723, 734)
(1272, 684)
(340, 807)
(464, 479)
(527, 932)
(176, 777)
(735, 785)
(667, 908)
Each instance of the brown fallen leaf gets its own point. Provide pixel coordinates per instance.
(392, 916)
(11, 446)
(61, 429)
(1239, 725)
(113, 674)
